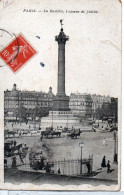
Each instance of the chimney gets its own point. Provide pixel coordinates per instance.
(50, 89)
(14, 87)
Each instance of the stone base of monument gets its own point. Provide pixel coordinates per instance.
(60, 118)
(61, 103)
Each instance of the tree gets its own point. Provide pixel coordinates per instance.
(40, 112)
(22, 113)
(107, 110)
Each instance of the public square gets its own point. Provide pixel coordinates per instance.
(68, 149)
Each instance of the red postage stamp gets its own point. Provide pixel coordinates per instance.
(17, 53)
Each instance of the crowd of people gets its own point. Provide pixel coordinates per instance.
(106, 126)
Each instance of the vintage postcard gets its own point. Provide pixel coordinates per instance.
(60, 95)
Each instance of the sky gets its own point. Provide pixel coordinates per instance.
(93, 52)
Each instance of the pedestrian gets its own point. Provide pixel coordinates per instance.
(41, 162)
(59, 172)
(5, 163)
(108, 167)
(25, 146)
(115, 133)
(103, 143)
(88, 168)
(103, 164)
(48, 169)
(21, 153)
(14, 143)
(51, 128)
(41, 138)
(14, 162)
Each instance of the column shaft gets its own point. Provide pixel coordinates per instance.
(61, 69)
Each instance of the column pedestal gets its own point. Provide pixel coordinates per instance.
(61, 103)
(60, 118)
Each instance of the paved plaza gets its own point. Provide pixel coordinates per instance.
(66, 148)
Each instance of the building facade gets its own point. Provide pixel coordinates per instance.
(99, 100)
(85, 105)
(28, 103)
(32, 104)
(81, 104)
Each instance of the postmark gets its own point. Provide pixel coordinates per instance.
(6, 38)
(17, 53)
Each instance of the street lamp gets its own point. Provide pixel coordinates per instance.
(81, 145)
(52, 118)
(67, 121)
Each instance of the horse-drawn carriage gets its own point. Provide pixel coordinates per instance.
(65, 129)
(12, 133)
(113, 128)
(50, 132)
(74, 134)
(9, 134)
(10, 149)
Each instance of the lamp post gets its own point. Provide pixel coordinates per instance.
(67, 121)
(81, 145)
(52, 118)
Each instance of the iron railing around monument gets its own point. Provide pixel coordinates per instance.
(65, 167)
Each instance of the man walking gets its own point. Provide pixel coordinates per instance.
(108, 167)
(103, 143)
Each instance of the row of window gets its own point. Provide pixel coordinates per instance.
(35, 103)
(27, 96)
(85, 103)
(11, 103)
(80, 100)
(81, 109)
(27, 106)
(34, 99)
(80, 96)
(32, 106)
(11, 106)
(34, 95)
(25, 101)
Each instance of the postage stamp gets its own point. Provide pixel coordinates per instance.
(17, 53)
